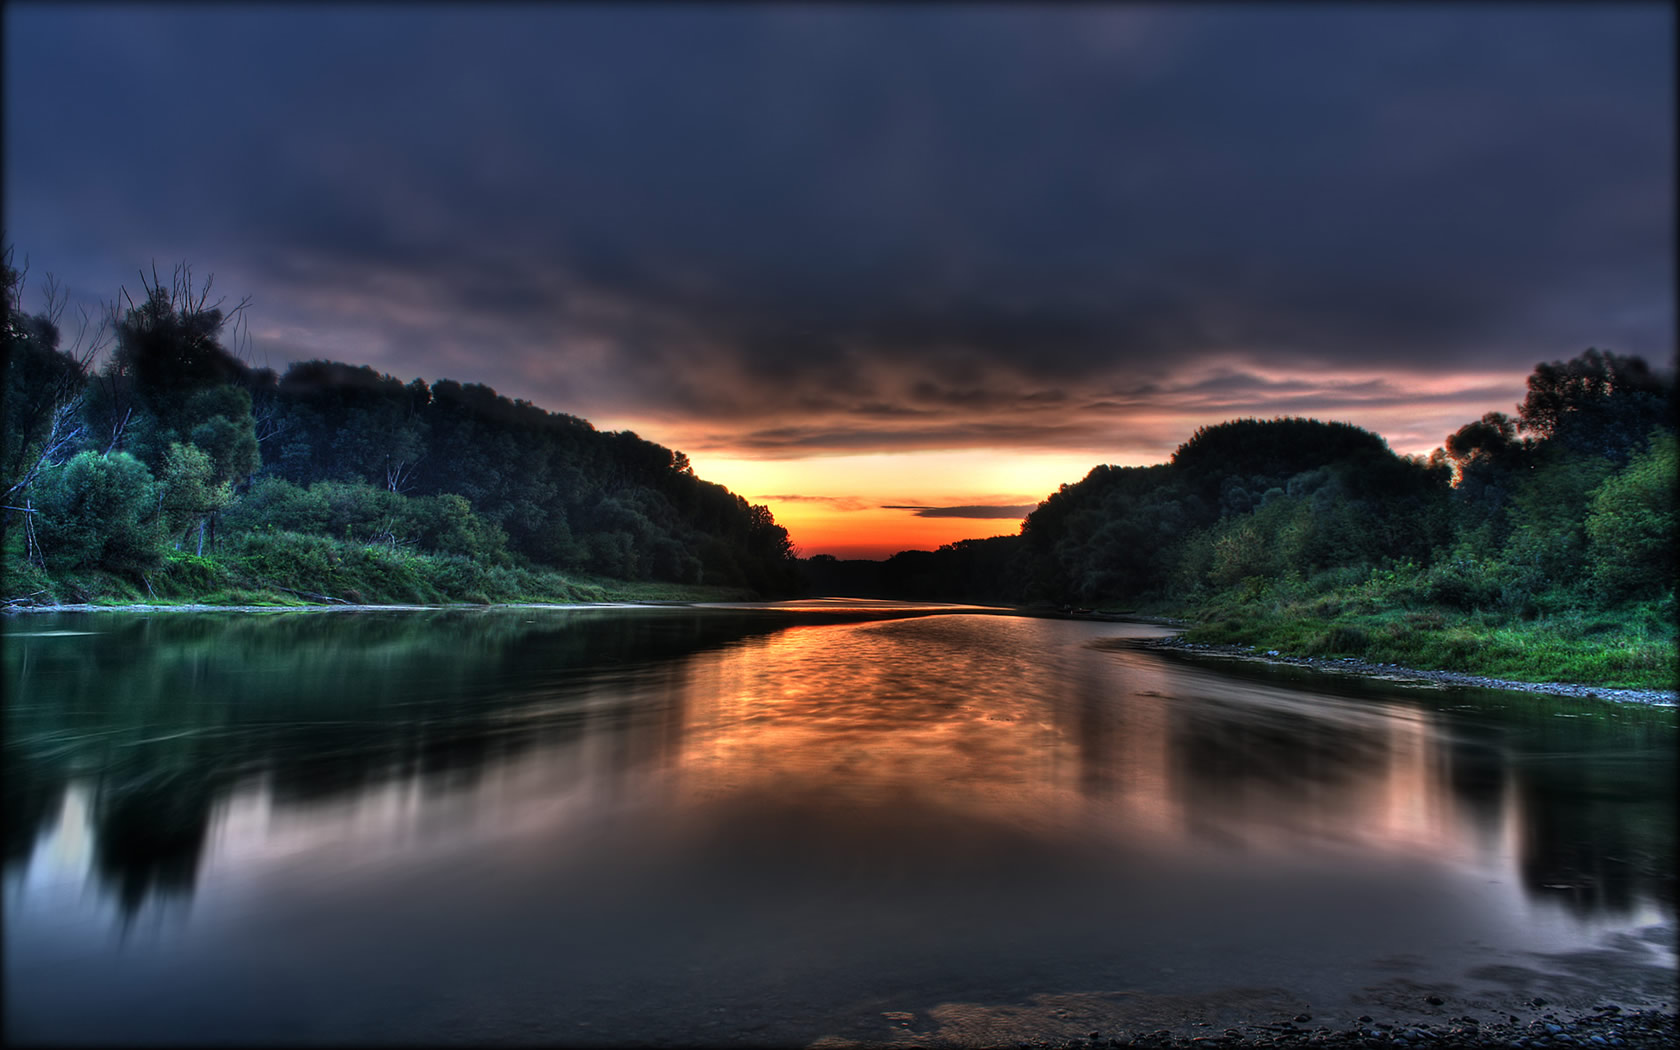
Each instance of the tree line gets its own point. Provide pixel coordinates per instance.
(147, 438)
(146, 442)
(1570, 503)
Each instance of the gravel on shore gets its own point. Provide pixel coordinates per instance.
(1413, 675)
(1610, 1026)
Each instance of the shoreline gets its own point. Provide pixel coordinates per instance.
(345, 607)
(1350, 666)
(1608, 1026)
(1414, 675)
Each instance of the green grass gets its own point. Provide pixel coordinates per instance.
(1629, 647)
(288, 570)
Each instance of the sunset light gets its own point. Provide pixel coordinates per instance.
(869, 526)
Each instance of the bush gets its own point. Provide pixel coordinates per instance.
(1344, 639)
(277, 505)
(1463, 581)
(447, 524)
(288, 560)
(359, 511)
(99, 512)
(1630, 526)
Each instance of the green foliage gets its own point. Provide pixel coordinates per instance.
(276, 505)
(187, 489)
(1239, 552)
(1631, 525)
(221, 425)
(1464, 580)
(406, 467)
(446, 523)
(1547, 544)
(1633, 649)
(544, 486)
(99, 512)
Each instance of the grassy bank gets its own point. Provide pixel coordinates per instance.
(1633, 646)
(289, 569)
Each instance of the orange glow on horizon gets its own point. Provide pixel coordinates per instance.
(879, 534)
(839, 505)
(836, 503)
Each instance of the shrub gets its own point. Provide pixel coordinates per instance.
(1463, 581)
(446, 523)
(99, 512)
(277, 505)
(1631, 525)
(1346, 639)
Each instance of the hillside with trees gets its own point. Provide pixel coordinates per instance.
(146, 461)
(1538, 546)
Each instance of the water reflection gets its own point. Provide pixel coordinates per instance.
(808, 805)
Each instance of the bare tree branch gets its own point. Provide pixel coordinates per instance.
(56, 297)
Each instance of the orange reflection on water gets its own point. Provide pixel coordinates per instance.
(1038, 732)
(838, 715)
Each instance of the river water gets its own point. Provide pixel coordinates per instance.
(815, 822)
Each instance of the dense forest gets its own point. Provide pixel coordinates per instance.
(1570, 502)
(146, 459)
(1535, 545)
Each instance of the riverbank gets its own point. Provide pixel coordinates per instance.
(327, 574)
(195, 607)
(1632, 646)
(1413, 675)
(1609, 1026)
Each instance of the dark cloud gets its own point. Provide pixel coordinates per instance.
(807, 229)
(1020, 511)
(836, 502)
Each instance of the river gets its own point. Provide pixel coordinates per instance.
(813, 822)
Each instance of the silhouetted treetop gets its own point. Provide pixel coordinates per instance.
(1490, 442)
(1599, 402)
(1273, 447)
(169, 343)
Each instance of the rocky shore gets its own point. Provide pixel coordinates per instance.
(1413, 675)
(1607, 1026)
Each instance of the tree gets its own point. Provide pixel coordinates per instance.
(44, 386)
(221, 424)
(1600, 403)
(169, 341)
(1631, 525)
(190, 493)
(168, 354)
(1489, 445)
(99, 512)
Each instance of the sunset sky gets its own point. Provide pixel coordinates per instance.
(896, 272)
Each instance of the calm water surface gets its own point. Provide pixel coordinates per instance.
(821, 821)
